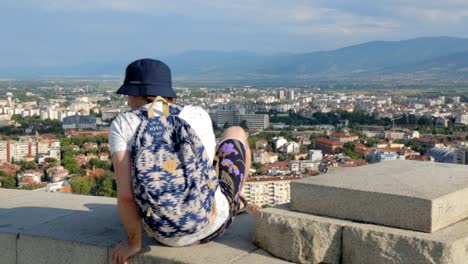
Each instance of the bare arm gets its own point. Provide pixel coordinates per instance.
(125, 199)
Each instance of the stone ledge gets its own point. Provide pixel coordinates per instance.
(52, 228)
(420, 196)
(307, 238)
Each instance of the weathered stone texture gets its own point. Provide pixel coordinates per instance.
(370, 244)
(299, 237)
(7, 248)
(41, 250)
(405, 194)
(57, 228)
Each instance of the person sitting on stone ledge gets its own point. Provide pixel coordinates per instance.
(143, 174)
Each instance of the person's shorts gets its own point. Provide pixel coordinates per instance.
(231, 168)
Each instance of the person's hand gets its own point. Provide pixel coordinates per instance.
(123, 251)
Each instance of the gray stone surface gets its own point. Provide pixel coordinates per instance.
(44, 250)
(259, 256)
(406, 194)
(299, 237)
(234, 244)
(6, 194)
(370, 244)
(7, 248)
(63, 228)
(25, 209)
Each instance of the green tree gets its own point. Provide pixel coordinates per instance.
(82, 185)
(95, 163)
(350, 146)
(106, 186)
(425, 121)
(71, 165)
(28, 165)
(51, 161)
(286, 134)
(370, 142)
(8, 182)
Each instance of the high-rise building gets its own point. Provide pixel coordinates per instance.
(17, 150)
(255, 121)
(229, 117)
(291, 95)
(281, 94)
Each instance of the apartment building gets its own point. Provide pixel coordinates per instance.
(268, 190)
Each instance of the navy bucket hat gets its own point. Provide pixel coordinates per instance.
(147, 77)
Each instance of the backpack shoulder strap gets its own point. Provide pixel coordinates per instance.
(175, 109)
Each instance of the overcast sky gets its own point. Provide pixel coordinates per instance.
(67, 32)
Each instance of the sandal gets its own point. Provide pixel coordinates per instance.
(249, 208)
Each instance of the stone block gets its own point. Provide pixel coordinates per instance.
(7, 194)
(370, 244)
(234, 244)
(24, 209)
(259, 256)
(8, 248)
(98, 227)
(405, 194)
(44, 250)
(299, 237)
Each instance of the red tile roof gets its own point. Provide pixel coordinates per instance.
(328, 141)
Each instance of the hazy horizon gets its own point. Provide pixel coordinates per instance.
(64, 32)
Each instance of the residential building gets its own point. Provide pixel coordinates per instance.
(261, 144)
(277, 168)
(77, 122)
(57, 174)
(23, 149)
(315, 155)
(297, 166)
(461, 155)
(379, 155)
(229, 117)
(343, 137)
(328, 146)
(260, 156)
(372, 131)
(278, 143)
(255, 121)
(268, 190)
(291, 148)
(29, 177)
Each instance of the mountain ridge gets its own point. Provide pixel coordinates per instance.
(444, 57)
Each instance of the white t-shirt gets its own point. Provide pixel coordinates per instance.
(122, 132)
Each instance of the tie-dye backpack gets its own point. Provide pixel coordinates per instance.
(174, 181)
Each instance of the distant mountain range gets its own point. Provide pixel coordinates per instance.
(430, 57)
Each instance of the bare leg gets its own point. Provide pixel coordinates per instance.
(237, 132)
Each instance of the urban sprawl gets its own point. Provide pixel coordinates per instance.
(55, 139)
